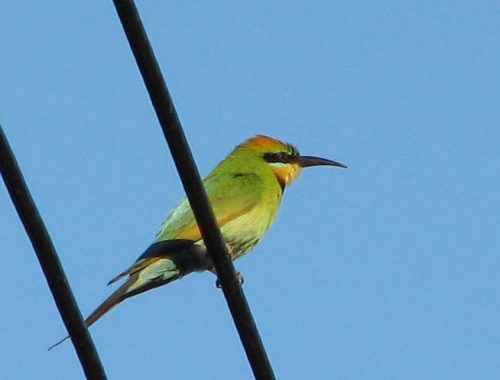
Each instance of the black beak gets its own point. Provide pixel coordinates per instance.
(306, 161)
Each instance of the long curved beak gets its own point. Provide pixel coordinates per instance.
(306, 161)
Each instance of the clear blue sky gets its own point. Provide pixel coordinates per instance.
(389, 270)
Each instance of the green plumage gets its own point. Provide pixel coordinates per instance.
(245, 192)
(245, 195)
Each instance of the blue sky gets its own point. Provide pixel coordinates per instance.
(388, 270)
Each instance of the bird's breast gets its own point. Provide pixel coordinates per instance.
(244, 232)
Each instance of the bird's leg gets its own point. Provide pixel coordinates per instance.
(240, 277)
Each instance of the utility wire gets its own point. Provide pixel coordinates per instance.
(49, 261)
(193, 186)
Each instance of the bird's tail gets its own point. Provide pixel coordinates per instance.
(114, 299)
(161, 263)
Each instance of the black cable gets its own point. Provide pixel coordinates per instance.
(49, 261)
(195, 191)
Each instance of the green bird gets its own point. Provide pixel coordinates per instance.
(245, 191)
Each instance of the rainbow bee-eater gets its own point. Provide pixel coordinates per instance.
(245, 192)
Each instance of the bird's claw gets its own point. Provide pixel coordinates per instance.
(240, 277)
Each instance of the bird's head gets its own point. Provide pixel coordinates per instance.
(283, 159)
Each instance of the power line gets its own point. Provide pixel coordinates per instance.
(196, 194)
(49, 261)
(195, 191)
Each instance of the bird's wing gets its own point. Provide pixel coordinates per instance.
(166, 256)
(231, 196)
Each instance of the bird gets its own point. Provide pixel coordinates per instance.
(245, 191)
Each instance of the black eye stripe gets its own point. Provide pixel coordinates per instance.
(274, 157)
(280, 157)
(288, 155)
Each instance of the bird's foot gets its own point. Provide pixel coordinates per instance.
(240, 277)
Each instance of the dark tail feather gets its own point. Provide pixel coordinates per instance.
(172, 258)
(59, 342)
(114, 299)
